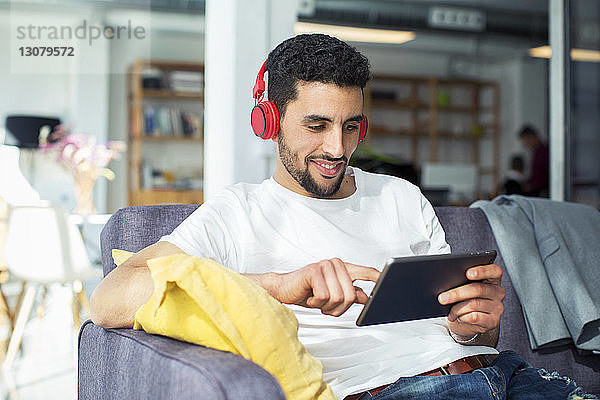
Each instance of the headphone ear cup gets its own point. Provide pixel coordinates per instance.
(364, 125)
(265, 120)
(272, 116)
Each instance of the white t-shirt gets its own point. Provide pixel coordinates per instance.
(258, 228)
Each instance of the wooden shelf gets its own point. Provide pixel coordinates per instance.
(170, 65)
(454, 136)
(466, 103)
(432, 79)
(169, 102)
(406, 105)
(170, 94)
(401, 78)
(166, 196)
(383, 131)
(409, 105)
(175, 138)
(463, 109)
(488, 170)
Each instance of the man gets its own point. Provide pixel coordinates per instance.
(537, 183)
(314, 235)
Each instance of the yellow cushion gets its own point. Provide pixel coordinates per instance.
(120, 256)
(199, 301)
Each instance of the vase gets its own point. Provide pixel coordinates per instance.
(84, 191)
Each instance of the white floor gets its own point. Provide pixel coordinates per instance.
(45, 368)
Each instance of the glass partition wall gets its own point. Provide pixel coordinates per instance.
(583, 141)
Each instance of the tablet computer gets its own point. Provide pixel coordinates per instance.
(408, 287)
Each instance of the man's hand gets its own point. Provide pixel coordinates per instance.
(327, 285)
(478, 304)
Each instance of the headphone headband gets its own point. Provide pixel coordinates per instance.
(258, 91)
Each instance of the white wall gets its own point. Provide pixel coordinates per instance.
(59, 87)
(239, 36)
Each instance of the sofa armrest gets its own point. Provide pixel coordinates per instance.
(130, 364)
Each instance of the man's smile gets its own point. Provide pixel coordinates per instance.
(328, 169)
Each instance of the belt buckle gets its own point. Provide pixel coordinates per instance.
(444, 369)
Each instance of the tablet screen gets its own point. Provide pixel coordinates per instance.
(408, 287)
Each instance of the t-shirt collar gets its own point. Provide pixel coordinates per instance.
(290, 194)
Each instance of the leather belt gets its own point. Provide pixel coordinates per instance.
(457, 367)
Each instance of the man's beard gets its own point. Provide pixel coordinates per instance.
(291, 162)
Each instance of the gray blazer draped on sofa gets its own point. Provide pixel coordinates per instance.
(551, 251)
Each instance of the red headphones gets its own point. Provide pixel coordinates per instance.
(265, 116)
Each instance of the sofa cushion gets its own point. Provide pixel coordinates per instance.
(133, 228)
(129, 364)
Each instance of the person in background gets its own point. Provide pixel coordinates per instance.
(537, 183)
(514, 178)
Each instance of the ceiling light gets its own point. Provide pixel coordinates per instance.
(585, 55)
(353, 34)
(576, 54)
(541, 52)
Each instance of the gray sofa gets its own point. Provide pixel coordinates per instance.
(123, 363)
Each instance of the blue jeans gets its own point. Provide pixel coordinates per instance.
(508, 377)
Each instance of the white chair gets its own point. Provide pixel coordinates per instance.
(3, 270)
(43, 248)
(14, 188)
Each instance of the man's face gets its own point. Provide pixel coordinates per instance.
(530, 142)
(319, 133)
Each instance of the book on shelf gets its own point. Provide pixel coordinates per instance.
(166, 121)
(186, 81)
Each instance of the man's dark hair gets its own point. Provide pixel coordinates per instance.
(313, 58)
(528, 131)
